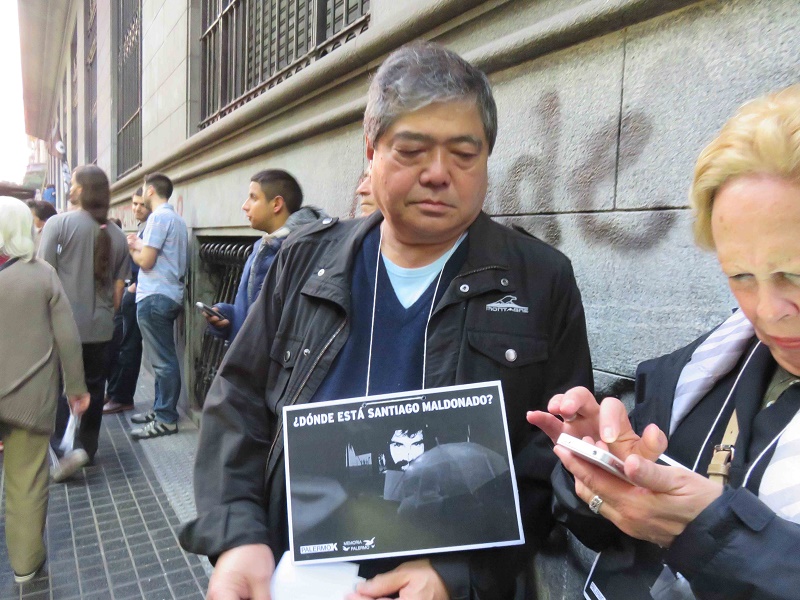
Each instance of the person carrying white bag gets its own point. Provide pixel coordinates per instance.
(37, 333)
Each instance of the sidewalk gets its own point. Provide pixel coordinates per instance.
(112, 530)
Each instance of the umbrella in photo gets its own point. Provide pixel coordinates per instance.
(449, 471)
(456, 483)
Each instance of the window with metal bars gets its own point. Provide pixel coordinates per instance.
(73, 140)
(249, 46)
(90, 8)
(129, 86)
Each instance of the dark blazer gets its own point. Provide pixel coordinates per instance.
(737, 548)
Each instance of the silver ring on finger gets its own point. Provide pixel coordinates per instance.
(595, 503)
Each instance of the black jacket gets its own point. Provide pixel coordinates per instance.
(300, 322)
(737, 548)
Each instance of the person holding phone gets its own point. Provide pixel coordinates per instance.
(274, 206)
(727, 406)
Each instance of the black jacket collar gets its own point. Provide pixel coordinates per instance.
(487, 256)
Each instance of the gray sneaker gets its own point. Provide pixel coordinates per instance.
(69, 464)
(143, 418)
(154, 429)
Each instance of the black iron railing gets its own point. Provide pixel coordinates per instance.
(129, 86)
(249, 46)
(224, 263)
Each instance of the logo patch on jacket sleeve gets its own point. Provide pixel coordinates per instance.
(506, 304)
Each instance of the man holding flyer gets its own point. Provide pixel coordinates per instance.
(427, 292)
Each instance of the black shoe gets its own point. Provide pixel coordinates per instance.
(143, 418)
(154, 429)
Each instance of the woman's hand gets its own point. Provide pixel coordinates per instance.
(657, 509)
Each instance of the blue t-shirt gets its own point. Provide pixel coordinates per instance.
(410, 284)
(166, 232)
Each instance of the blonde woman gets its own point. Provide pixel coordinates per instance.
(35, 309)
(727, 406)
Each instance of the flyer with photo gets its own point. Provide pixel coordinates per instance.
(400, 474)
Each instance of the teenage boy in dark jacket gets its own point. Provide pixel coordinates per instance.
(477, 301)
(274, 206)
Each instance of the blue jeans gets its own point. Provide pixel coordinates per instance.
(156, 315)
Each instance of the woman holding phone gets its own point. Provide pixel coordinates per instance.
(727, 406)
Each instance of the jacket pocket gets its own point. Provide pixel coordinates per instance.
(284, 355)
(509, 350)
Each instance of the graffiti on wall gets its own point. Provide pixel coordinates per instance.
(528, 185)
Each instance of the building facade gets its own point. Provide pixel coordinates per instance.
(603, 107)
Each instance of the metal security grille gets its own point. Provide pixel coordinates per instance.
(249, 46)
(129, 86)
(224, 261)
(90, 20)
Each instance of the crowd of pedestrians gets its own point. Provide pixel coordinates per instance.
(66, 296)
(400, 299)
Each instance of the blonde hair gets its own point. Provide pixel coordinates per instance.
(762, 138)
(16, 229)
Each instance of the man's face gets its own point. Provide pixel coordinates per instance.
(258, 209)
(429, 173)
(405, 447)
(140, 209)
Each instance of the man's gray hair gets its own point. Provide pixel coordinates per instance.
(421, 74)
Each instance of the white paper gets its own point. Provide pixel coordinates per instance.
(331, 581)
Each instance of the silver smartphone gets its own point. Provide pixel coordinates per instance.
(209, 310)
(602, 458)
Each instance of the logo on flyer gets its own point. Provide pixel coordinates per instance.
(358, 545)
(317, 548)
(506, 304)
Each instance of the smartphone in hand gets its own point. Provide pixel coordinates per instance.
(602, 458)
(210, 311)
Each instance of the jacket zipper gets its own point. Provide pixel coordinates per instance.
(299, 390)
